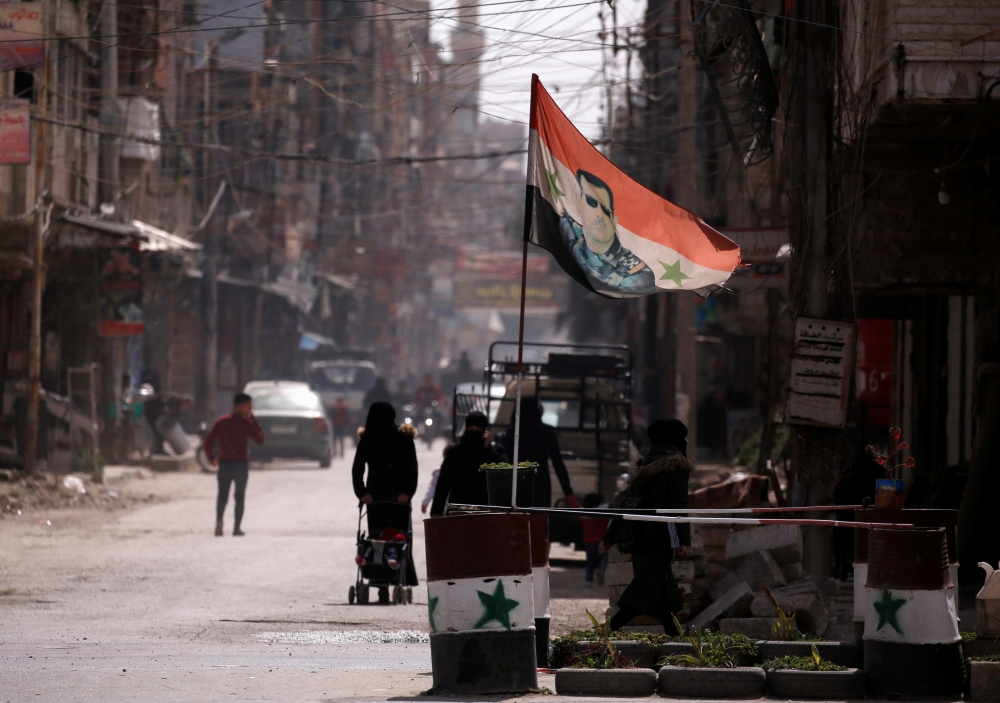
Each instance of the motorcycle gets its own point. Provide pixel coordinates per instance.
(428, 420)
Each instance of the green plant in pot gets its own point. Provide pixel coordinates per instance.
(601, 654)
(498, 482)
(712, 649)
(811, 663)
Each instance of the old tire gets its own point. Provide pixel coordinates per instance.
(606, 682)
(350, 595)
(826, 685)
(698, 682)
(841, 653)
(640, 654)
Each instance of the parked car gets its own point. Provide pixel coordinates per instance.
(293, 420)
(349, 379)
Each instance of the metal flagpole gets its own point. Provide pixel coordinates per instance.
(520, 369)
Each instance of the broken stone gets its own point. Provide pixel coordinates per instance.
(697, 548)
(754, 628)
(726, 583)
(793, 572)
(797, 588)
(731, 605)
(759, 569)
(810, 613)
(682, 570)
(784, 542)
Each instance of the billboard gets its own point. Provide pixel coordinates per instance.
(21, 35)
(120, 302)
(821, 372)
(15, 132)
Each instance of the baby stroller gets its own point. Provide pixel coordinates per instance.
(383, 555)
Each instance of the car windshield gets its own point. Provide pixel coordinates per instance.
(287, 401)
(343, 376)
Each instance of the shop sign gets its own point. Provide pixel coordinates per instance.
(15, 132)
(504, 295)
(21, 35)
(120, 292)
(821, 372)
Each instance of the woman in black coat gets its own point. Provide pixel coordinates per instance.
(460, 480)
(391, 457)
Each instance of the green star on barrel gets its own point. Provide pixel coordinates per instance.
(496, 607)
(431, 607)
(887, 608)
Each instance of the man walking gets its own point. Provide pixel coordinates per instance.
(340, 417)
(232, 432)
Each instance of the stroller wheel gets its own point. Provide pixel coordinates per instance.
(398, 596)
(362, 594)
(409, 594)
(383, 594)
(350, 595)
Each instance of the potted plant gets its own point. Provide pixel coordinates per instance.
(498, 478)
(812, 677)
(643, 649)
(789, 641)
(890, 492)
(711, 669)
(601, 669)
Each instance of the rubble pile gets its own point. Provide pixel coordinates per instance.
(20, 495)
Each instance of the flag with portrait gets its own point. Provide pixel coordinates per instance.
(606, 231)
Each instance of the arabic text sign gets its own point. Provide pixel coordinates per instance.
(21, 35)
(821, 369)
(15, 132)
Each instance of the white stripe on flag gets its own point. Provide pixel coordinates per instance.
(657, 256)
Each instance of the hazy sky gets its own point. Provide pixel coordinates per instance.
(557, 40)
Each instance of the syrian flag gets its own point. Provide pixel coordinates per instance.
(608, 232)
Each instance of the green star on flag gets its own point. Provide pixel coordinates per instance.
(432, 604)
(887, 608)
(496, 607)
(672, 272)
(553, 186)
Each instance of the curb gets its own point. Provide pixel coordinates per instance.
(698, 682)
(825, 685)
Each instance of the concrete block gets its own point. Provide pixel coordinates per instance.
(810, 613)
(697, 548)
(614, 593)
(754, 628)
(714, 571)
(797, 588)
(731, 605)
(793, 572)
(723, 585)
(714, 536)
(784, 542)
(618, 574)
(984, 681)
(758, 569)
(682, 570)
(716, 555)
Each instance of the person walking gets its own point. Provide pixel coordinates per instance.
(661, 481)
(391, 457)
(460, 480)
(538, 443)
(340, 416)
(232, 432)
(379, 393)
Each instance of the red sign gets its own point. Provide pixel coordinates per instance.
(15, 132)
(121, 292)
(874, 368)
(22, 36)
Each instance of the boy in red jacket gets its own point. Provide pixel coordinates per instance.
(232, 432)
(593, 531)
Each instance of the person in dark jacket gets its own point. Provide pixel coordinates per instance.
(460, 480)
(391, 457)
(661, 481)
(379, 393)
(538, 443)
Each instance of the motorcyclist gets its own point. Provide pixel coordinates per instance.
(427, 393)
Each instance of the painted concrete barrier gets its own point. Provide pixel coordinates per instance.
(540, 585)
(912, 647)
(481, 603)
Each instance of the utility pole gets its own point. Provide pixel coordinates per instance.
(37, 282)
(111, 116)
(211, 289)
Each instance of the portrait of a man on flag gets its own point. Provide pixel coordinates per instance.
(611, 234)
(593, 241)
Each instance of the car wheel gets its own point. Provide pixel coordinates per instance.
(324, 462)
(350, 595)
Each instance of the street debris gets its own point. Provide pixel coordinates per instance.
(346, 637)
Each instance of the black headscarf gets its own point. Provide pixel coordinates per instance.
(663, 433)
(381, 420)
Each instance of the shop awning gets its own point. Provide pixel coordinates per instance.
(150, 238)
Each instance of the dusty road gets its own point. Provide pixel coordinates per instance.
(147, 604)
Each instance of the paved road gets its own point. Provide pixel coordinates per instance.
(147, 605)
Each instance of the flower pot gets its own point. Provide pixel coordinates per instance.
(698, 682)
(890, 493)
(670, 648)
(606, 682)
(640, 654)
(840, 653)
(980, 647)
(828, 685)
(498, 486)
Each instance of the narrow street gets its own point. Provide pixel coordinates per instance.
(148, 605)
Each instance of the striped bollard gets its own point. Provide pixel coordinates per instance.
(921, 517)
(540, 581)
(911, 641)
(480, 603)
